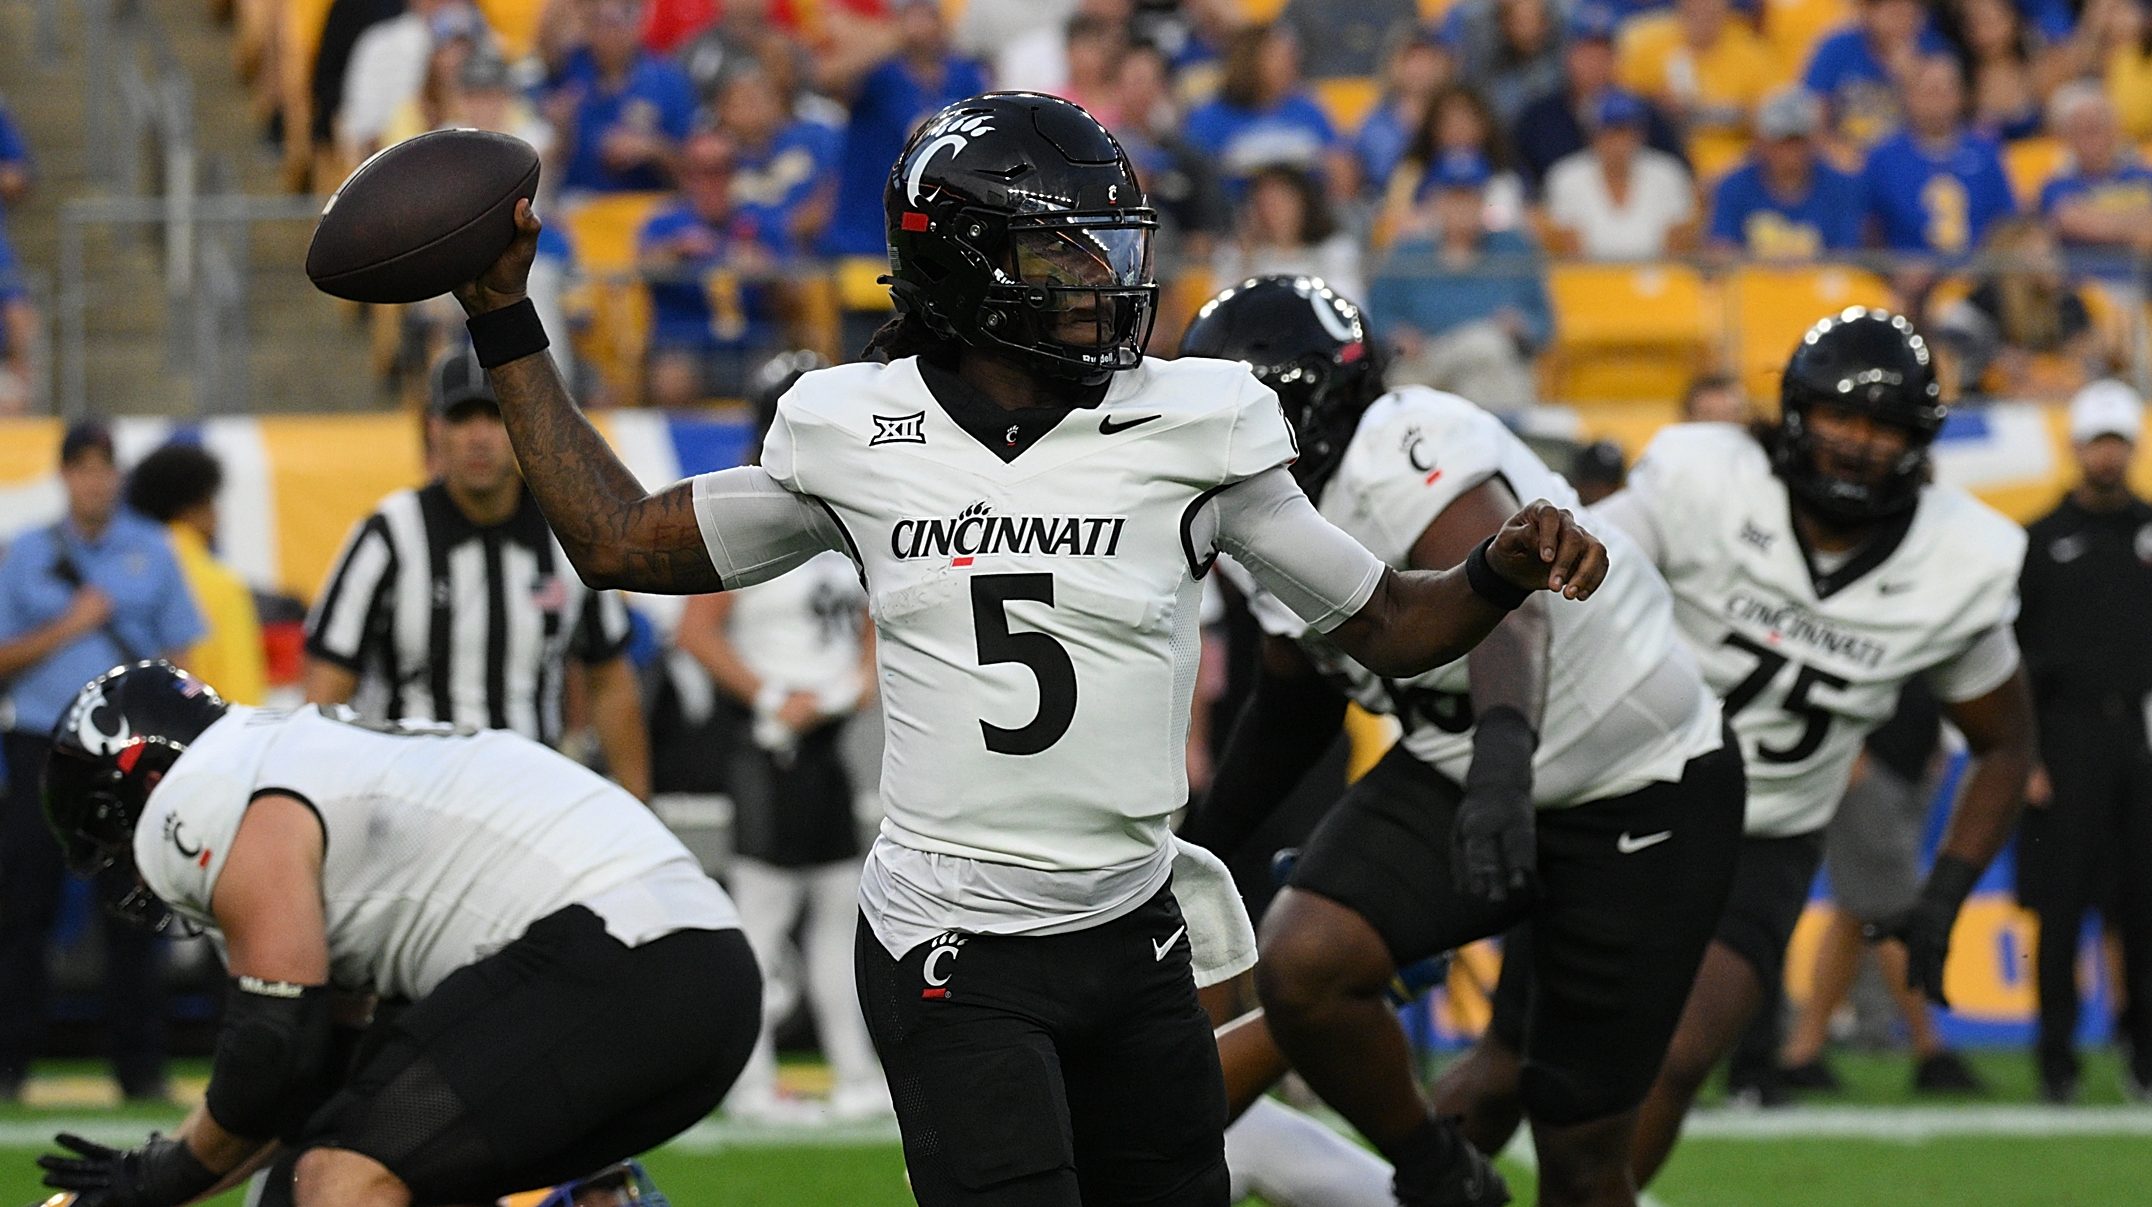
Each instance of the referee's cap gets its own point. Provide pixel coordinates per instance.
(2106, 408)
(459, 385)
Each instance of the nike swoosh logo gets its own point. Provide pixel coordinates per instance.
(1107, 427)
(1630, 846)
(1159, 948)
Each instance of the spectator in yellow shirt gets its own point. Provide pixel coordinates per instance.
(1707, 68)
(177, 486)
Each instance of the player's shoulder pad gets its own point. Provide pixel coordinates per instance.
(1414, 431)
(1209, 404)
(847, 397)
(1963, 533)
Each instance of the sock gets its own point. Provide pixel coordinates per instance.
(1294, 1161)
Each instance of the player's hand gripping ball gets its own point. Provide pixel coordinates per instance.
(423, 216)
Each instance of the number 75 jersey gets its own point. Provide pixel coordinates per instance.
(1808, 656)
(1037, 618)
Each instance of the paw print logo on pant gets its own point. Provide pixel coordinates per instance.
(937, 969)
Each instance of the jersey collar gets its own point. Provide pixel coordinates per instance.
(1881, 543)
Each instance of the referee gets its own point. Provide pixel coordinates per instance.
(455, 603)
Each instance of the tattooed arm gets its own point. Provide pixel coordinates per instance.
(617, 534)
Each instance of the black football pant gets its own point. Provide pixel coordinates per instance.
(1069, 1070)
(32, 878)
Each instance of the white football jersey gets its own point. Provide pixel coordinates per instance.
(1037, 619)
(1809, 662)
(1625, 705)
(442, 845)
(801, 630)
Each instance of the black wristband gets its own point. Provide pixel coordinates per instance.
(510, 333)
(1950, 882)
(1488, 583)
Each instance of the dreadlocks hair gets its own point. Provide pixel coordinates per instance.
(907, 334)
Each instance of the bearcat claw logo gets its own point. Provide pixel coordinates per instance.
(955, 134)
(976, 531)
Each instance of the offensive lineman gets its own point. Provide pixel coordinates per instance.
(1031, 504)
(1814, 569)
(573, 989)
(1573, 770)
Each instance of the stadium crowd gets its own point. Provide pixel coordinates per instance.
(718, 166)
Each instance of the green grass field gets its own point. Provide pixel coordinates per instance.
(1875, 1144)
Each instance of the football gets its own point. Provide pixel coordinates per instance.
(422, 217)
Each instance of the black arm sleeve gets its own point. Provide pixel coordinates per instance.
(1286, 727)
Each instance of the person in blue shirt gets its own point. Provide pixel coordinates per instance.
(623, 111)
(1857, 70)
(711, 280)
(2100, 204)
(14, 161)
(893, 77)
(1935, 186)
(1786, 202)
(1552, 128)
(1262, 116)
(98, 588)
(1466, 305)
(786, 168)
(1415, 71)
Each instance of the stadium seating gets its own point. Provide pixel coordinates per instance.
(1768, 309)
(2030, 164)
(1347, 100)
(603, 229)
(1627, 332)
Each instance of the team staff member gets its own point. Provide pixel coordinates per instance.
(578, 991)
(177, 486)
(1031, 505)
(454, 602)
(2087, 840)
(97, 588)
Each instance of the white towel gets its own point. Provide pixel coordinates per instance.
(1221, 939)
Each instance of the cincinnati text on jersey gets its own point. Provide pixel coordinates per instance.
(976, 532)
(1792, 622)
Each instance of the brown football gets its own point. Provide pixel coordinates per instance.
(422, 217)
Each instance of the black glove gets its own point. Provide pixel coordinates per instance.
(159, 1173)
(1925, 928)
(1495, 849)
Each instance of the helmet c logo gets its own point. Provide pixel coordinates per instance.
(966, 128)
(90, 728)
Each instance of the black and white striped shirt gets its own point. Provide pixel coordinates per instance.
(443, 620)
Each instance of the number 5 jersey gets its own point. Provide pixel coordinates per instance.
(1809, 650)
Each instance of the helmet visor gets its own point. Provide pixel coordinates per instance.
(1083, 257)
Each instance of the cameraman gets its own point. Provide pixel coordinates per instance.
(98, 588)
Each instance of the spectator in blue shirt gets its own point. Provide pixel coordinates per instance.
(622, 110)
(1181, 182)
(18, 333)
(1416, 69)
(2100, 204)
(14, 162)
(1786, 202)
(1553, 127)
(1857, 70)
(1510, 49)
(711, 282)
(77, 597)
(894, 76)
(1262, 116)
(1465, 306)
(785, 173)
(1935, 186)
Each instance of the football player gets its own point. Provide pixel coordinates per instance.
(1031, 504)
(1573, 770)
(1815, 568)
(572, 989)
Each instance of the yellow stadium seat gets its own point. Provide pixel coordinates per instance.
(1260, 12)
(1626, 332)
(514, 24)
(1714, 153)
(1770, 308)
(1793, 27)
(1347, 99)
(859, 287)
(603, 231)
(1433, 11)
(2031, 163)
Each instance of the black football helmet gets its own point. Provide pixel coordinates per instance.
(1012, 218)
(776, 375)
(1307, 342)
(1873, 363)
(109, 750)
